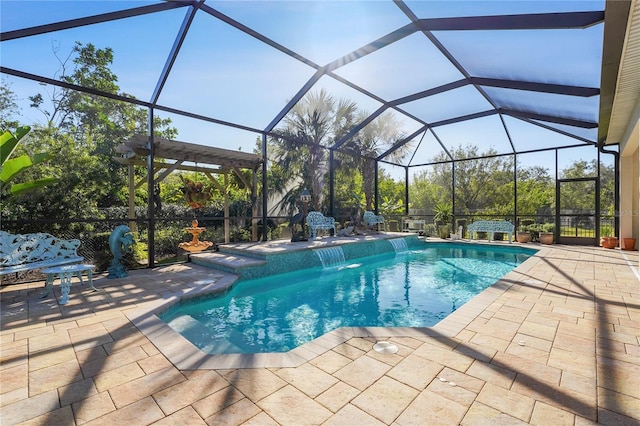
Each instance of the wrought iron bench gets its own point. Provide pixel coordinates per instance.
(25, 252)
(318, 221)
(491, 226)
(373, 220)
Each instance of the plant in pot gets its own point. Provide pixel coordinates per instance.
(524, 235)
(443, 215)
(609, 242)
(546, 234)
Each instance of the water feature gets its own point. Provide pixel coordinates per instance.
(330, 256)
(399, 244)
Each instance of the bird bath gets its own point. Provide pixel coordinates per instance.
(195, 245)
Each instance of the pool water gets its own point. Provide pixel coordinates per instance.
(416, 288)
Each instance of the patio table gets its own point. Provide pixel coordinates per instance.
(66, 273)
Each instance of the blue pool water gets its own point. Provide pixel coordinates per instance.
(416, 288)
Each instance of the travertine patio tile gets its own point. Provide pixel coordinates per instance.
(330, 361)
(89, 336)
(217, 401)
(493, 343)
(43, 330)
(108, 363)
(235, 414)
(124, 343)
(544, 415)
(349, 351)
(76, 391)
(492, 374)
(337, 396)
(149, 384)
(185, 393)
(50, 342)
(565, 399)
(351, 415)
(54, 377)
(87, 355)
(480, 414)
(260, 419)
(154, 363)
(385, 399)
(145, 411)
(511, 314)
(506, 401)
(443, 356)
(415, 371)
(574, 343)
(93, 407)
(50, 358)
(578, 383)
(436, 408)
(521, 349)
(362, 372)
(185, 417)
(584, 365)
(307, 378)
(607, 417)
(14, 353)
(582, 330)
(409, 342)
(619, 403)
(527, 368)
(14, 395)
(534, 329)
(290, 406)
(13, 378)
(255, 384)
(117, 376)
(451, 391)
(30, 408)
(476, 351)
(462, 380)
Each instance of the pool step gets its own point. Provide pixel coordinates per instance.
(228, 262)
(196, 332)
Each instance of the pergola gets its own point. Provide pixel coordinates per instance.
(186, 156)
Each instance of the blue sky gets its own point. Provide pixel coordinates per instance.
(229, 75)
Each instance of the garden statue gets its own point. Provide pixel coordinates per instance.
(120, 243)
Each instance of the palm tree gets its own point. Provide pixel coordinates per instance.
(300, 157)
(374, 139)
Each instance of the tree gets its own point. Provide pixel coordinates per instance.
(373, 140)
(299, 158)
(83, 130)
(8, 108)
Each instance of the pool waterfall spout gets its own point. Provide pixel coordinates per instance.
(399, 244)
(330, 256)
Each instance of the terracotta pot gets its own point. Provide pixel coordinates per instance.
(629, 243)
(523, 236)
(609, 242)
(546, 237)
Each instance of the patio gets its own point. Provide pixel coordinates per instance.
(553, 342)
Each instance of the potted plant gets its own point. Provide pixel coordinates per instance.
(196, 194)
(545, 237)
(629, 243)
(442, 218)
(609, 242)
(523, 236)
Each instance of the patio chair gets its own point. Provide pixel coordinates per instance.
(373, 220)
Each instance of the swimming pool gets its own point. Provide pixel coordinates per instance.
(415, 288)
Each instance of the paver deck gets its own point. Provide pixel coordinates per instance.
(556, 341)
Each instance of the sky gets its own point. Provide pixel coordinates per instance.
(229, 75)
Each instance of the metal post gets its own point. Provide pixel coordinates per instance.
(264, 187)
(151, 209)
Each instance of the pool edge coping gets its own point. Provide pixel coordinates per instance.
(186, 356)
